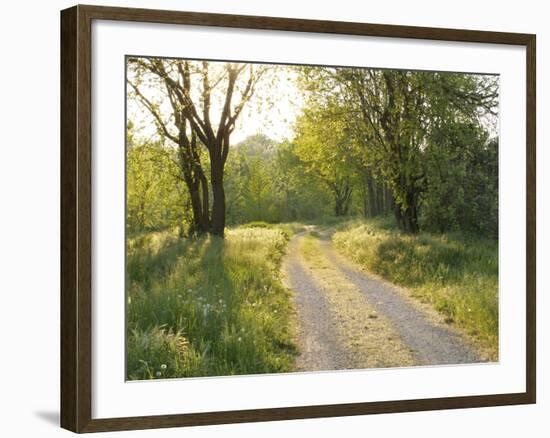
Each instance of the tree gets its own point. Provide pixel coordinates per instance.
(267, 181)
(323, 144)
(402, 110)
(193, 91)
(250, 176)
(462, 180)
(155, 198)
(394, 114)
(302, 196)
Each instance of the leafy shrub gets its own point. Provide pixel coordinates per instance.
(257, 224)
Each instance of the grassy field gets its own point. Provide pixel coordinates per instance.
(457, 274)
(207, 306)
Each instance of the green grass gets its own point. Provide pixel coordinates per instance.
(258, 224)
(457, 274)
(291, 228)
(208, 306)
(288, 228)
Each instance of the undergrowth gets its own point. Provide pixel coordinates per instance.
(208, 306)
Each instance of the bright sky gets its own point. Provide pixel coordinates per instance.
(275, 119)
(272, 110)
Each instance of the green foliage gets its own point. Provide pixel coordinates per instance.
(257, 224)
(264, 182)
(457, 273)
(419, 134)
(155, 196)
(462, 181)
(208, 306)
(325, 147)
(366, 140)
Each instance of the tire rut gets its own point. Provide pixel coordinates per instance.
(321, 349)
(430, 342)
(337, 326)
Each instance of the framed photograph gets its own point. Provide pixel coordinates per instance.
(272, 218)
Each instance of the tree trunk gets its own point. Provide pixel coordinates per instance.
(410, 221)
(342, 197)
(347, 198)
(372, 197)
(379, 199)
(407, 216)
(217, 225)
(197, 226)
(364, 197)
(199, 205)
(388, 200)
(338, 208)
(197, 186)
(205, 218)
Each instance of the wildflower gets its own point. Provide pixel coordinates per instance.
(163, 366)
(158, 374)
(239, 339)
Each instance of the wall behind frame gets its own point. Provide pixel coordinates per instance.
(29, 189)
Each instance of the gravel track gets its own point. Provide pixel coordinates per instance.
(321, 348)
(430, 342)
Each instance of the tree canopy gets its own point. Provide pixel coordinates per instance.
(419, 145)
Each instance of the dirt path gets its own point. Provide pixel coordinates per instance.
(321, 347)
(348, 318)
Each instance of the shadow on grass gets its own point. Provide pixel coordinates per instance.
(207, 306)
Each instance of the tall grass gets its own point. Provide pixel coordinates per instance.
(457, 274)
(288, 228)
(208, 306)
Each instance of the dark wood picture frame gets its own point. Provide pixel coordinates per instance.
(76, 218)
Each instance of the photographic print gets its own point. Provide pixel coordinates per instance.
(294, 218)
(268, 218)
